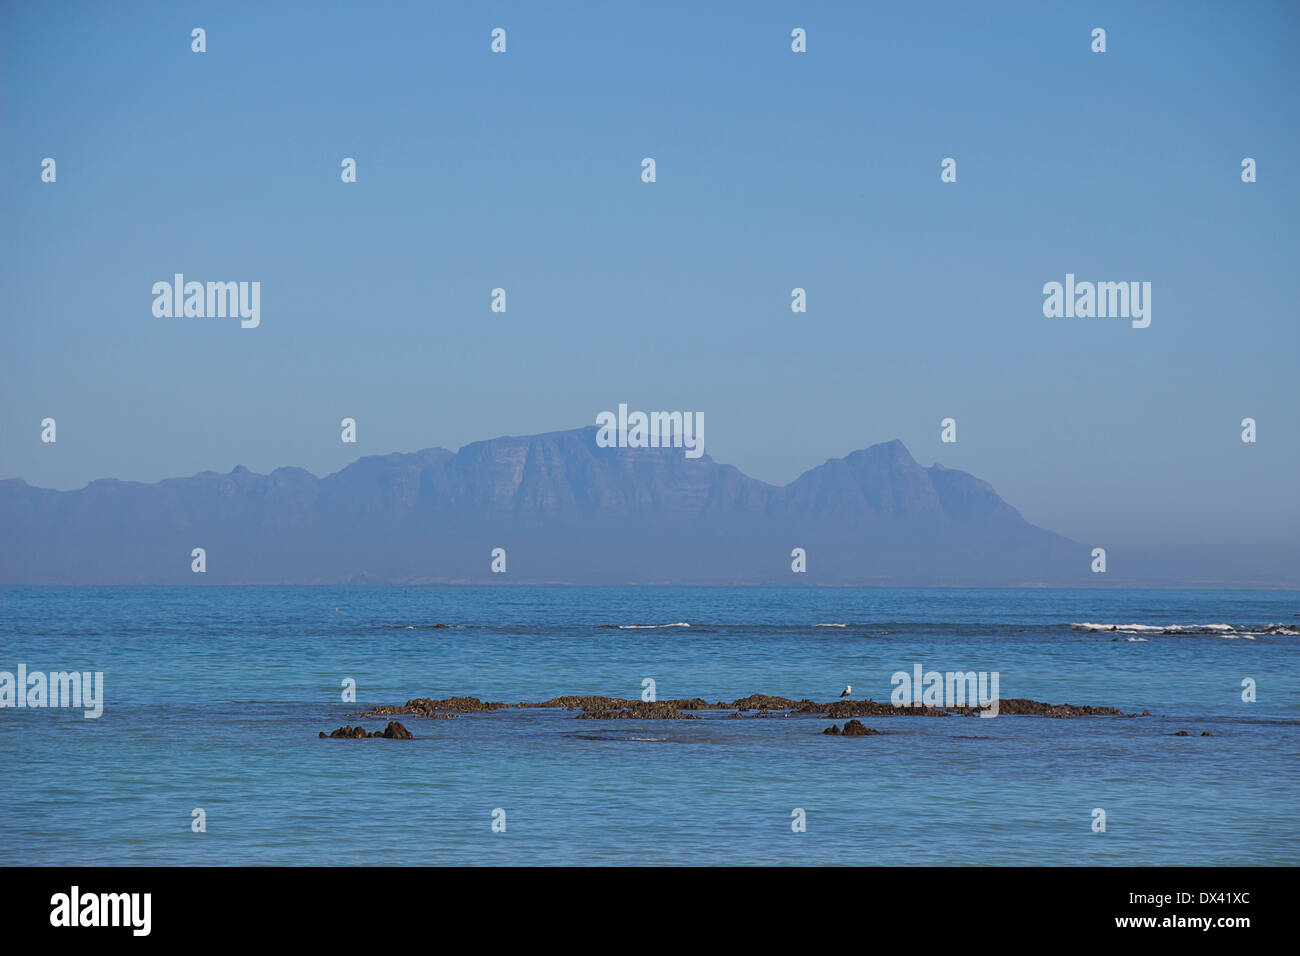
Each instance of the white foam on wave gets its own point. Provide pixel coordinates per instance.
(832, 625)
(1153, 628)
(1220, 630)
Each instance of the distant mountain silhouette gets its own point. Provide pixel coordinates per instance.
(565, 510)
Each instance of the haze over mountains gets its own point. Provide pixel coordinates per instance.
(565, 510)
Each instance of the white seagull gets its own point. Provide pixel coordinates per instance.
(848, 689)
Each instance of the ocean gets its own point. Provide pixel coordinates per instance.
(213, 699)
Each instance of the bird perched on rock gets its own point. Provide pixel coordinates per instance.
(848, 689)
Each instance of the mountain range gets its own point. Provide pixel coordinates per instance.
(564, 509)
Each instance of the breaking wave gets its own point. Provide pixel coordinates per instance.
(644, 627)
(1216, 630)
(425, 627)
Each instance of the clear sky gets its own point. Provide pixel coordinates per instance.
(523, 170)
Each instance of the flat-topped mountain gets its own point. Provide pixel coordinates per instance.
(565, 510)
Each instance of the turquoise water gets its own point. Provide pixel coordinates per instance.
(214, 698)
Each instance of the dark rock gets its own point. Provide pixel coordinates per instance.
(765, 702)
(694, 703)
(426, 707)
(574, 702)
(1206, 733)
(602, 708)
(395, 731)
(852, 728)
(1023, 707)
(1182, 733)
(638, 710)
(459, 705)
(865, 708)
(856, 728)
(349, 732)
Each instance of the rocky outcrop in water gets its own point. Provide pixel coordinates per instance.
(349, 732)
(460, 705)
(839, 709)
(766, 702)
(760, 705)
(394, 731)
(1023, 707)
(639, 710)
(852, 728)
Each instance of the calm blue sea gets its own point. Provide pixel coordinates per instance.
(214, 697)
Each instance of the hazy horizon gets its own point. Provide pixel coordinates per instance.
(580, 512)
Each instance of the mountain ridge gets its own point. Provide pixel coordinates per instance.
(565, 509)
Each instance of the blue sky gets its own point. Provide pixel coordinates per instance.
(775, 170)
